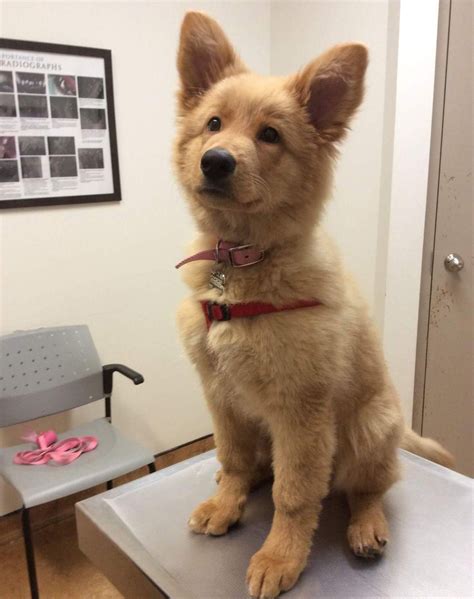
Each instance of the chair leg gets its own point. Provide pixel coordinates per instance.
(110, 485)
(30, 555)
(151, 467)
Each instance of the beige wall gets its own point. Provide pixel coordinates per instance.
(111, 266)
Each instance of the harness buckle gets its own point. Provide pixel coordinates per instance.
(217, 312)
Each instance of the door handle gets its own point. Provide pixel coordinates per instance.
(453, 263)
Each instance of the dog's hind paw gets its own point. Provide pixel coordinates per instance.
(368, 539)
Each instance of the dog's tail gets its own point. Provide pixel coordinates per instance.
(426, 448)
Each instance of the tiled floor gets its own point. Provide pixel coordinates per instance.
(63, 571)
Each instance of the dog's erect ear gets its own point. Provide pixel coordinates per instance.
(204, 57)
(331, 88)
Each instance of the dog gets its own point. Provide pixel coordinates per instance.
(289, 359)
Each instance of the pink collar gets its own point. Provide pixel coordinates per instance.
(230, 253)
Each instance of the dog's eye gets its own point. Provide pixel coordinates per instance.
(269, 135)
(214, 124)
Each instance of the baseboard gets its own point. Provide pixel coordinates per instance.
(183, 445)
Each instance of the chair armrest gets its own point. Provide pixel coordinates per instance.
(108, 372)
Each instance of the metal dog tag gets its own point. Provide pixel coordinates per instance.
(217, 280)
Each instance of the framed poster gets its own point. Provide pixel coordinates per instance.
(58, 142)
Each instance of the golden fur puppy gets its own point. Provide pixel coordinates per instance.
(302, 394)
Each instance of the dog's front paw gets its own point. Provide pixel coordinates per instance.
(368, 538)
(214, 516)
(268, 575)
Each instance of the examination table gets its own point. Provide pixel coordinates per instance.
(137, 535)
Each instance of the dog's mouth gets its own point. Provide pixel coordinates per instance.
(215, 193)
(214, 190)
(223, 198)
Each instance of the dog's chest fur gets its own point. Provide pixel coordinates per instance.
(264, 362)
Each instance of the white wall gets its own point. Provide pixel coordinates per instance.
(112, 265)
(418, 33)
(300, 31)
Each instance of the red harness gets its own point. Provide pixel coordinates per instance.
(215, 312)
(239, 256)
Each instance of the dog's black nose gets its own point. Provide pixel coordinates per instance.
(217, 164)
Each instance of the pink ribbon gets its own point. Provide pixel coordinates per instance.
(49, 448)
